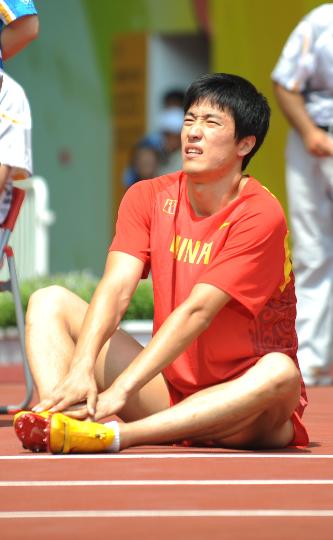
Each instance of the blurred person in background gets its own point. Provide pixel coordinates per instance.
(144, 163)
(166, 139)
(170, 125)
(15, 140)
(174, 98)
(19, 25)
(303, 84)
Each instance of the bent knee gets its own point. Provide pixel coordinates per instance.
(46, 302)
(282, 373)
(280, 387)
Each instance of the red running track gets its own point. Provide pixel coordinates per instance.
(170, 492)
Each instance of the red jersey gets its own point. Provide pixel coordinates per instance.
(242, 249)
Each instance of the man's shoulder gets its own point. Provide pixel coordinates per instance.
(145, 195)
(264, 202)
(155, 186)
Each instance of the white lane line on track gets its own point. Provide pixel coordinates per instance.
(202, 455)
(151, 483)
(164, 513)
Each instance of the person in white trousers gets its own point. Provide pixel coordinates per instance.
(303, 85)
(15, 140)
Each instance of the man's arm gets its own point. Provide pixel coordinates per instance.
(18, 34)
(182, 326)
(292, 104)
(109, 303)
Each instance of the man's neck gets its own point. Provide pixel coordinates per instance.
(207, 198)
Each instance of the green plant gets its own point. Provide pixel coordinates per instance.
(81, 283)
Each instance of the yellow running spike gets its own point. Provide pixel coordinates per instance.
(68, 435)
(60, 434)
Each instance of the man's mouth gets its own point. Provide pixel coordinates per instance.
(193, 151)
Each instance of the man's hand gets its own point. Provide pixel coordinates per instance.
(77, 387)
(318, 143)
(110, 402)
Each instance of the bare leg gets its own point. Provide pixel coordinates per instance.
(252, 411)
(53, 316)
(53, 324)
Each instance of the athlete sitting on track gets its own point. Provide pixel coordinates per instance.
(221, 368)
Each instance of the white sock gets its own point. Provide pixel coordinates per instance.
(115, 446)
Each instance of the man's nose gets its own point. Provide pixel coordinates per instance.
(195, 131)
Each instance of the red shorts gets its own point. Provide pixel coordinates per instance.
(300, 439)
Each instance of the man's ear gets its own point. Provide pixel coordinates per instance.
(245, 145)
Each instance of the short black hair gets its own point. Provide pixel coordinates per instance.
(240, 98)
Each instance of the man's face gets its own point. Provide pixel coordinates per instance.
(209, 148)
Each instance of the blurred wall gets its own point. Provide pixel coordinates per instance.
(67, 75)
(109, 17)
(71, 134)
(122, 29)
(174, 62)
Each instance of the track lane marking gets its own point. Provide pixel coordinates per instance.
(210, 455)
(165, 513)
(83, 483)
